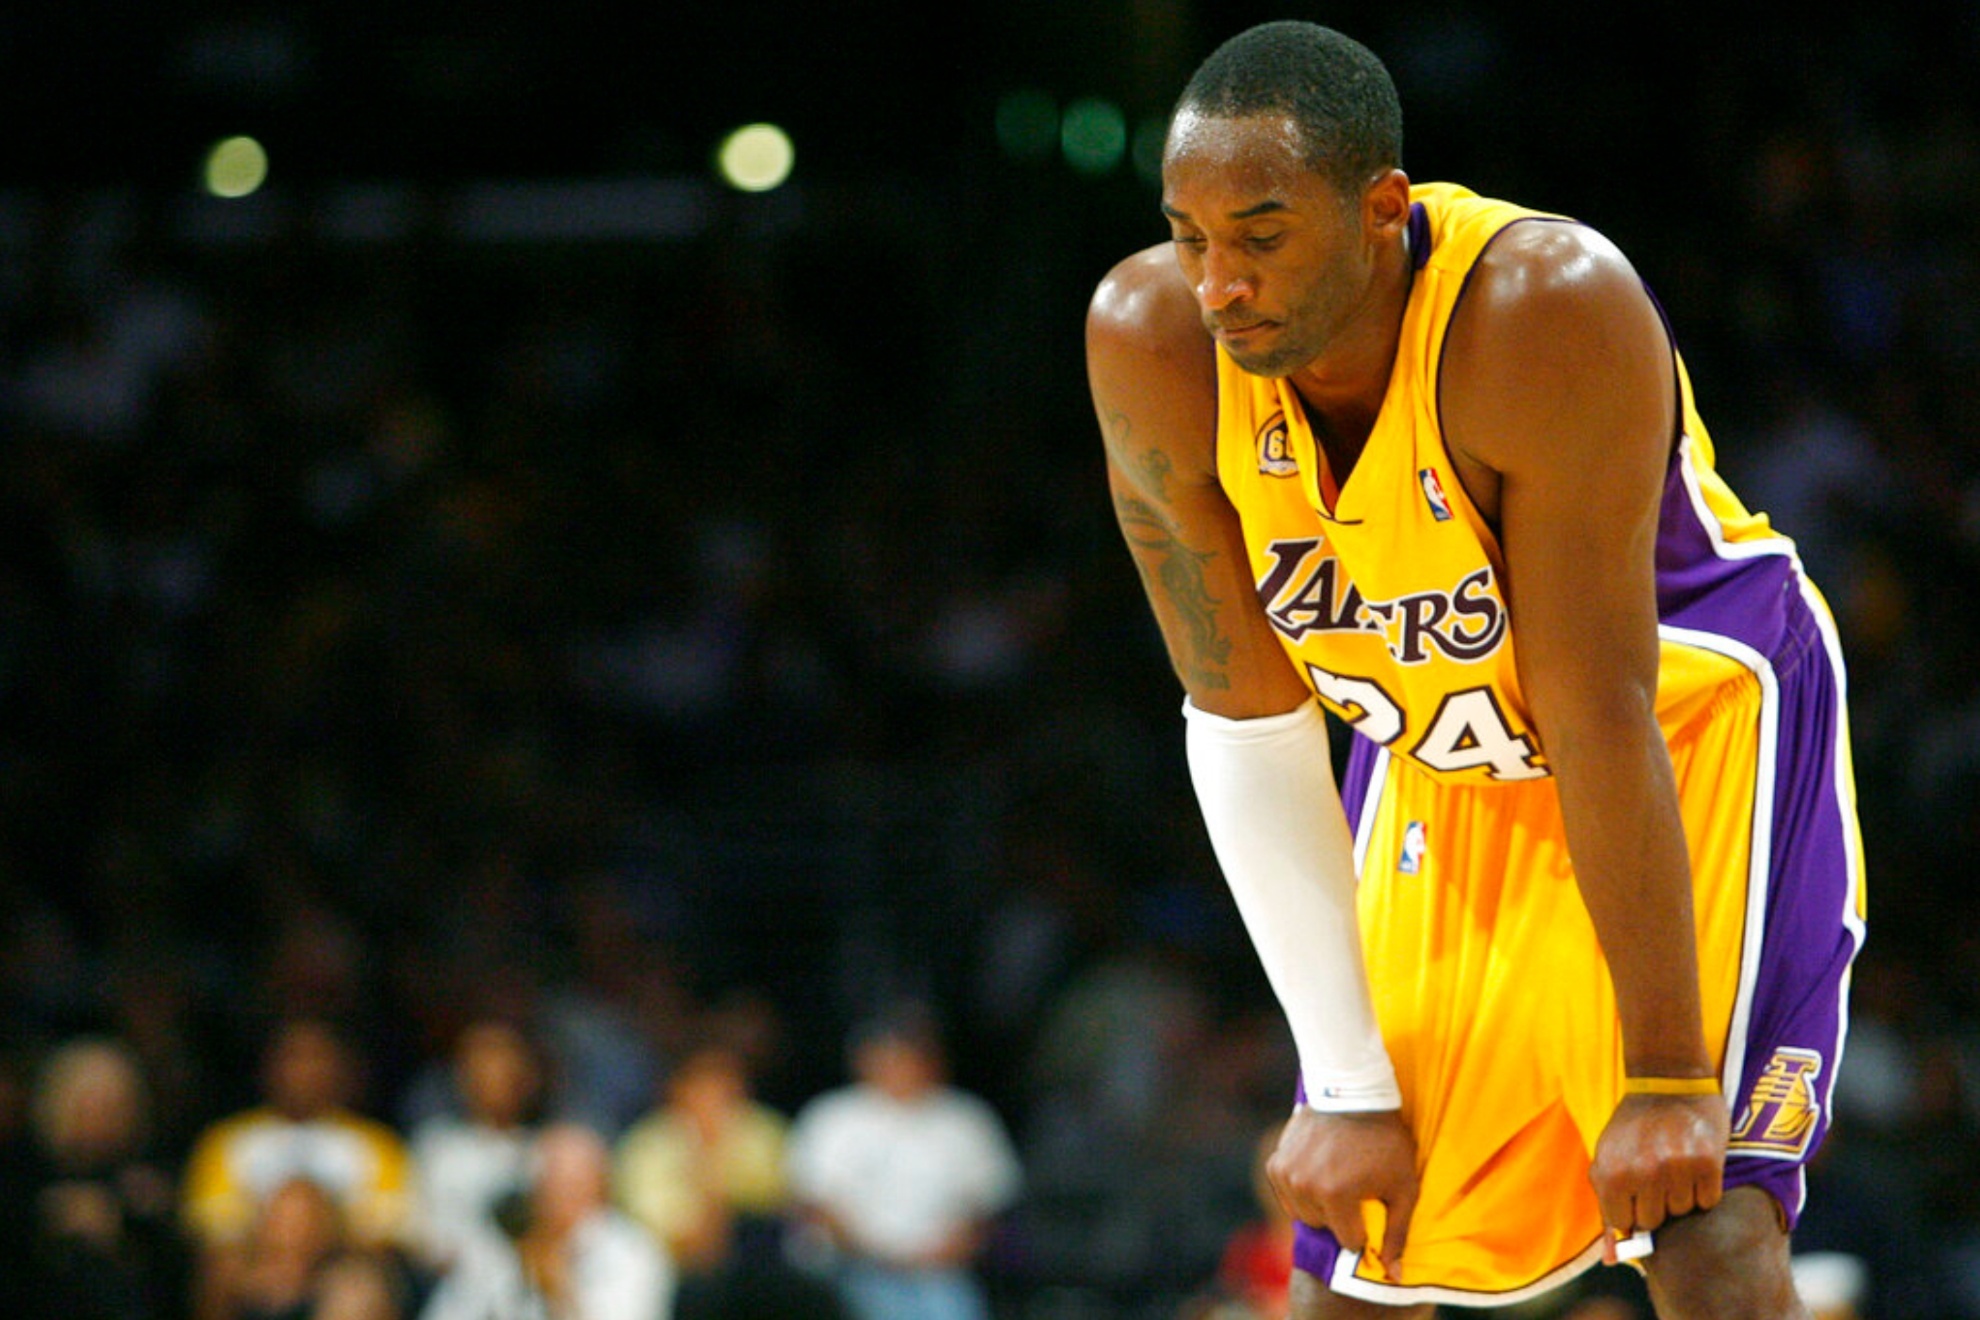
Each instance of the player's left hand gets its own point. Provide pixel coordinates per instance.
(1659, 1157)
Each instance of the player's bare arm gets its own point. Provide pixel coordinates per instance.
(1152, 371)
(1151, 367)
(1560, 404)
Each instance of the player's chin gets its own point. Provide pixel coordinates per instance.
(1259, 360)
(1264, 348)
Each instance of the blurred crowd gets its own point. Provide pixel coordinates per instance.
(413, 647)
(483, 728)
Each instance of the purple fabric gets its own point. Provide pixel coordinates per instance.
(1315, 1250)
(1362, 754)
(1419, 235)
(1747, 599)
(1797, 999)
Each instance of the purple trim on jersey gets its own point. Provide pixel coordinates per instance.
(1748, 598)
(1360, 774)
(1315, 1250)
(1419, 235)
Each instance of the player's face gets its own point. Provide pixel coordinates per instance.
(1278, 258)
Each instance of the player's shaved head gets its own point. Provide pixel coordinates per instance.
(1336, 93)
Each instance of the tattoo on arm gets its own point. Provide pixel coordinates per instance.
(1155, 469)
(1173, 572)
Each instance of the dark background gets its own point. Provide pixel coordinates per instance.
(400, 622)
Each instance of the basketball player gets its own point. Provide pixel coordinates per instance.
(1565, 962)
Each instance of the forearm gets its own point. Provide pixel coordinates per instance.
(1266, 787)
(1619, 806)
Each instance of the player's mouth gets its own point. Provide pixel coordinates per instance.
(1237, 332)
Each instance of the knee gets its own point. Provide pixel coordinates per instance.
(1731, 1261)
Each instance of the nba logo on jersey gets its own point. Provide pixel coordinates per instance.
(1415, 849)
(1433, 491)
(1275, 458)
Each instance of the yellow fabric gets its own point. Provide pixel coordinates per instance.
(1492, 993)
(665, 1175)
(1496, 1004)
(239, 1161)
(1388, 589)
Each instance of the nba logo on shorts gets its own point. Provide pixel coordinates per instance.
(1433, 491)
(1415, 849)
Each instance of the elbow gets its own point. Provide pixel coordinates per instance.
(1611, 721)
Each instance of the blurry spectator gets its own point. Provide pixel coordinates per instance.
(101, 1238)
(708, 1164)
(1865, 1224)
(361, 1286)
(562, 1250)
(301, 1263)
(304, 1129)
(466, 1163)
(297, 1232)
(609, 1024)
(96, 375)
(1110, 1040)
(704, 1172)
(900, 1177)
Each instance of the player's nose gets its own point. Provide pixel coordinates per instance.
(1225, 281)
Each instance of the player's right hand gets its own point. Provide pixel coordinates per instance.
(1327, 1165)
(1659, 1157)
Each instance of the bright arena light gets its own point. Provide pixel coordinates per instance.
(756, 158)
(236, 167)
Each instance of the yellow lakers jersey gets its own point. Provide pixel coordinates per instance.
(1388, 589)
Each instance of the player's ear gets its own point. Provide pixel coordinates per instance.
(1385, 202)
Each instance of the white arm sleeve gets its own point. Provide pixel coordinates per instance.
(1275, 820)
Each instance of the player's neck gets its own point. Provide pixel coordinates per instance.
(1343, 389)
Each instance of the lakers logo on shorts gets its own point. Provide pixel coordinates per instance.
(1781, 1111)
(1275, 456)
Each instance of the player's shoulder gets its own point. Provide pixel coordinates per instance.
(1144, 307)
(1151, 363)
(1547, 292)
(1552, 268)
(1555, 325)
